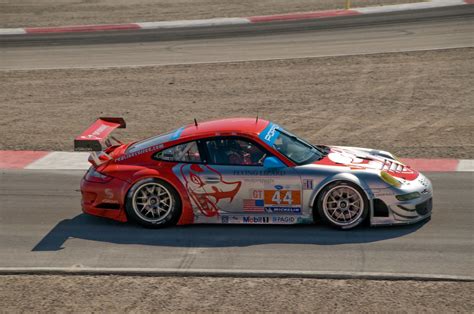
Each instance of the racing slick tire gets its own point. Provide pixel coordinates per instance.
(153, 203)
(342, 205)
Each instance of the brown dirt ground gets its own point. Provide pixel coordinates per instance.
(21, 13)
(172, 294)
(416, 104)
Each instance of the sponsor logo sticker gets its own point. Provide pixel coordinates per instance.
(279, 209)
(307, 184)
(284, 219)
(255, 220)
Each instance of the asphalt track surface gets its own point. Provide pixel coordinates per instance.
(41, 225)
(392, 32)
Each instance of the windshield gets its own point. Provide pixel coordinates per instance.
(291, 146)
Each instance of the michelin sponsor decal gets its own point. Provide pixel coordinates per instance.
(287, 210)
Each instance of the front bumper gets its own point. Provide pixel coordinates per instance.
(388, 210)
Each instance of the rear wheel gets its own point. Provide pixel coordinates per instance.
(342, 205)
(153, 203)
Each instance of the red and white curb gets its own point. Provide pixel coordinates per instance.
(40, 160)
(235, 20)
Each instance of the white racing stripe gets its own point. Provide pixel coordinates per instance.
(62, 161)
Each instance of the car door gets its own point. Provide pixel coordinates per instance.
(240, 183)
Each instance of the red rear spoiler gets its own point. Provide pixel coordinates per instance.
(96, 137)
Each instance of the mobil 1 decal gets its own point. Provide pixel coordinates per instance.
(282, 199)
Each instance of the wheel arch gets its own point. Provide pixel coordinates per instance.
(155, 176)
(139, 176)
(344, 177)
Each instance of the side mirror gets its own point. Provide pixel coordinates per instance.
(272, 163)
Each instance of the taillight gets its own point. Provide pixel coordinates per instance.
(93, 175)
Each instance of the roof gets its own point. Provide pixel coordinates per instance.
(231, 125)
(209, 128)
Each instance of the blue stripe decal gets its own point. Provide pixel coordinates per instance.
(177, 134)
(269, 134)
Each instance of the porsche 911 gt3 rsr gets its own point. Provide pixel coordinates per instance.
(245, 171)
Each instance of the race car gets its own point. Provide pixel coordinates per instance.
(245, 171)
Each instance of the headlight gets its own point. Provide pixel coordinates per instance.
(389, 179)
(407, 197)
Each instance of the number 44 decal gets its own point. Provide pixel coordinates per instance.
(287, 199)
(282, 197)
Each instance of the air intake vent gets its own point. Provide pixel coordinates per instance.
(380, 208)
(425, 207)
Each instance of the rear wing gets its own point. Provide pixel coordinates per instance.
(96, 137)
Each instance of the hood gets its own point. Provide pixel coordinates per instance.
(367, 159)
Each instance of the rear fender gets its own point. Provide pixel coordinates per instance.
(187, 216)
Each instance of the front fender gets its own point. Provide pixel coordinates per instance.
(348, 177)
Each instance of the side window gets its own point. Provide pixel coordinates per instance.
(187, 152)
(234, 151)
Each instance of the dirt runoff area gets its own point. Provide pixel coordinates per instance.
(416, 104)
(177, 294)
(22, 13)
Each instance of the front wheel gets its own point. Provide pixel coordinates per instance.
(342, 205)
(153, 203)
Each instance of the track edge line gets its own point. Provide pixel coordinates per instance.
(160, 272)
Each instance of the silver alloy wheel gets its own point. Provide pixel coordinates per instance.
(152, 202)
(343, 205)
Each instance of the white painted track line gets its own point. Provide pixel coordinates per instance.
(62, 161)
(194, 23)
(12, 31)
(466, 165)
(409, 6)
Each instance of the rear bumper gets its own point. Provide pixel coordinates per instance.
(104, 199)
